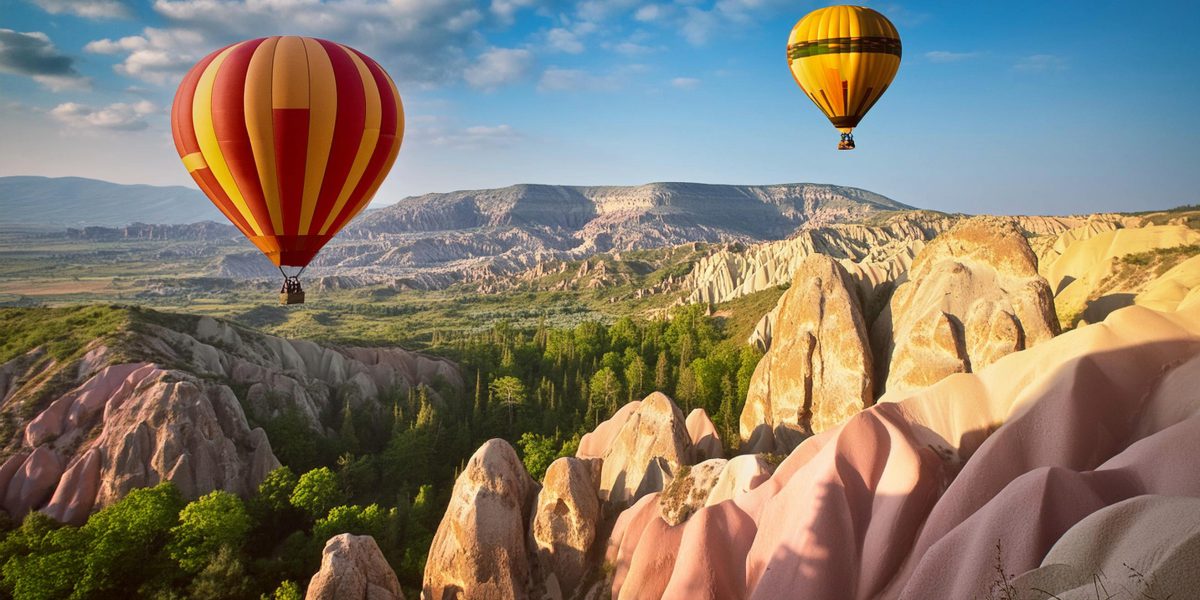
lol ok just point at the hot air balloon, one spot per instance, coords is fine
(290, 137)
(844, 58)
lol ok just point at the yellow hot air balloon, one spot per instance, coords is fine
(844, 58)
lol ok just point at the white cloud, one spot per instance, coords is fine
(1041, 63)
(498, 67)
(157, 56)
(33, 55)
(698, 25)
(437, 131)
(120, 116)
(944, 56)
(557, 79)
(564, 40)
(685, 83)
(650, 12)
(90, 9)
(419, 42)
(505, 10)
(599, 10)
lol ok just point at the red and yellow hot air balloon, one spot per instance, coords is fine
(290, 137)
(844, 58)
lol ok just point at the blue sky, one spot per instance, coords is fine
(999, 107)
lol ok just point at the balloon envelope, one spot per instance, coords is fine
(289, 136)
(844, 58)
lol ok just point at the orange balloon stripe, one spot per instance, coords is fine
(228, 107)
(184, 132)
(388, 128)
(348, 130)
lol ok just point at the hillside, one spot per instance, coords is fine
(78, 202)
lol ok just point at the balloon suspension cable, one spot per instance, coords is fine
(847, 142)
(291, 283)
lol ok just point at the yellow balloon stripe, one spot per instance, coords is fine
(322, 116)
(206, 136)
(366, 145)
(260, 126)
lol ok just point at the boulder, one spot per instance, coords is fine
(818, 370)
(479, 550)
(565, 519)
(353, 568)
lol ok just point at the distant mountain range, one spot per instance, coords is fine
(441, 238)
(80, 202)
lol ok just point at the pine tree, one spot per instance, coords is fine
(662, 373)
(347, 434)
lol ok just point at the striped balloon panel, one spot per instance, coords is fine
(289, 136)
(844, 58)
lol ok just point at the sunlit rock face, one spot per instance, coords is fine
(971, 296)
(480, 550)
(818, 371)
(353, 568)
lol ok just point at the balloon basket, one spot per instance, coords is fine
(291, 297)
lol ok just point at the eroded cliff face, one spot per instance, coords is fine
(162, 407)
(887, 249)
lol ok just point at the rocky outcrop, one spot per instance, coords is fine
(353, 568)
(971, 296)
(909, 498)
(565, 519)
(479, 550)
(640, 447)
(818, 371)
(689, 491)
(130, 426)
(161, 407)
(706, 442)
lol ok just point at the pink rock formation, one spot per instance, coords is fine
(818, 370)
(353, 568)
(641, 445)
(479, 550)
(706, 443)
(909, 498)
(114, 425)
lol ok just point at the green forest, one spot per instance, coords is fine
(387, 470)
